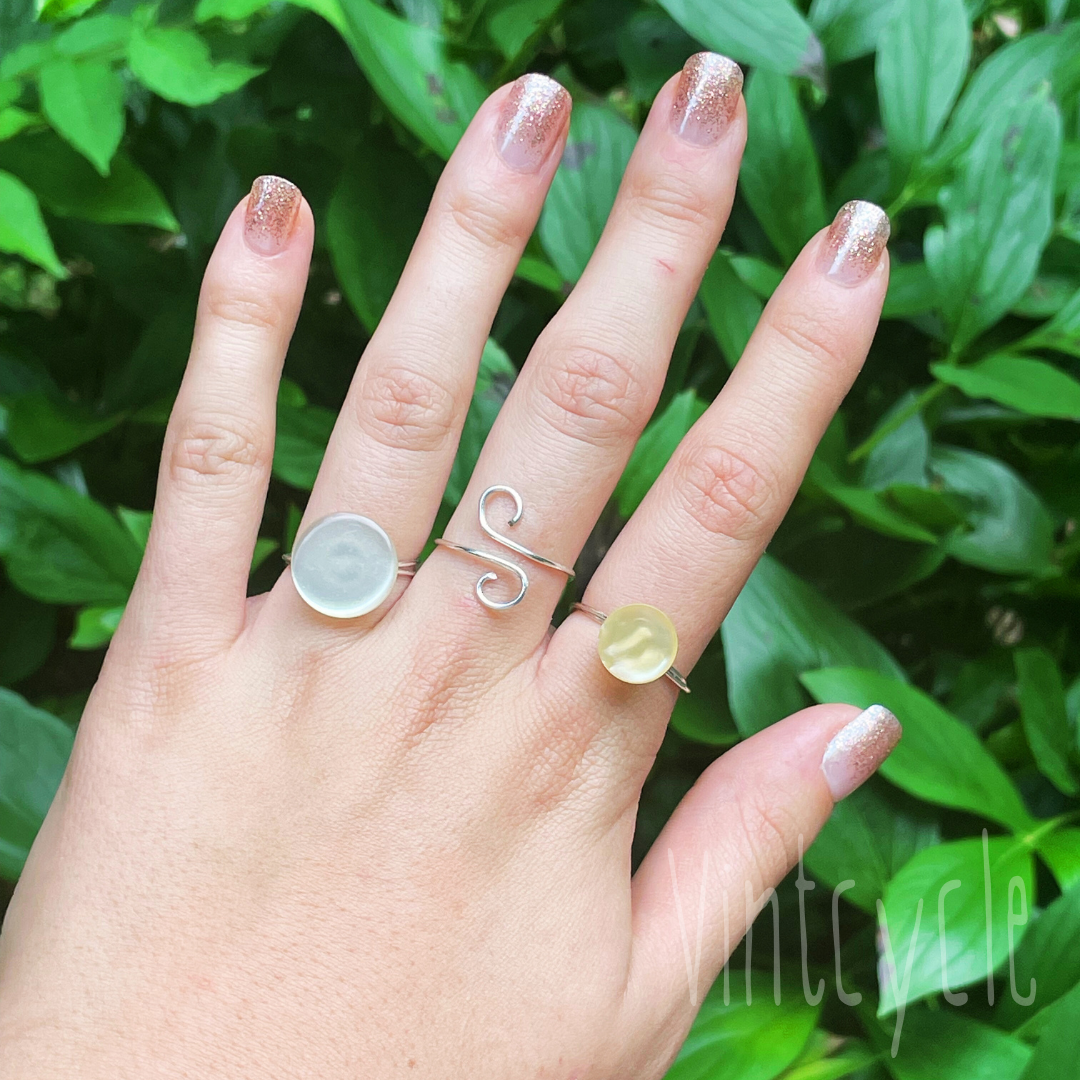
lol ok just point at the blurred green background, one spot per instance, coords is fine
(929, 562)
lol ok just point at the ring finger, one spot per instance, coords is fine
(697, 535)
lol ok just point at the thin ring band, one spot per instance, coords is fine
(498, 560)
(672, 672)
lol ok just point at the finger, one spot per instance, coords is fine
(394, 443)
(569, 425)
(699, 532)
(219, 443)
(739, 830)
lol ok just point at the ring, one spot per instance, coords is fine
(637, 643)
(345, 565)
(498, 560)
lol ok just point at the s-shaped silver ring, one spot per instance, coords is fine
(498, 560)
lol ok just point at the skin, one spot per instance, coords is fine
(289, 846)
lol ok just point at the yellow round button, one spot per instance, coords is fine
(638, 643)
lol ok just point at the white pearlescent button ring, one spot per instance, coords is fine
(637, 644)
(345, 565)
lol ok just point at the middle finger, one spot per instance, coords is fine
(594, 375)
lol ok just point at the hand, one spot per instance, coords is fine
(295, 846)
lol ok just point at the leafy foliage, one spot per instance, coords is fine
(930, 561)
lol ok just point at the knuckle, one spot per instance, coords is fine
(808, 335)
(768, 833)
(406, 409)
(483, 218)
(244, 311)
(671, 203)
(725, 493)
(592, 395)
(215, 449)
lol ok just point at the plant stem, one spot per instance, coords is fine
(898, 420)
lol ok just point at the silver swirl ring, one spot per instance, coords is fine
(498, 560)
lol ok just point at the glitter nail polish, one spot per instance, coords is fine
(856, 239)
(706, 98)
(530, 122)
(857, 749)
(271, 214)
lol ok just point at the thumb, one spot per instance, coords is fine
(735, 834)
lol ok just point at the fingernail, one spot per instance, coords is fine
(706, 98)
(531, 122)
(856, 239)
(858, 749)
(271, 214)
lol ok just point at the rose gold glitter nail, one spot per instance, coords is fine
(271, 214)
(858, 749)
(856, 239)
(706, 98)
(531, 121)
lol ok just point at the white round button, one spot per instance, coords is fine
(344, 565)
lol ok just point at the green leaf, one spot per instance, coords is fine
(1005, 78)
(1060, 850)
(921, 63)
(998, 216)
(946, 1045)
(84, 101)
(13, 120)
(374, 216)
(780, 177)
(41, 427)
(849, 29)
(1061, 333)
(743, 1042)
(651, 46)
(768, 34)
(34, 749)
(103, 36)
(1042, 712)
(55, 10)
(761, 277)
(302, 434)
(778, 628)
(911, 291)
(871, 508)
(1055, 1052)
(22, 228)
(583, 190)
(939, 759)
(493, 382)
(27, 633)
(137, 522)
(962, 932)
(409, 67)
(60, 546)
(654, 448)
(176, 65)
(1031, 386)
(1010, 531)
(69, 187)
(1049, 954)
(512, 23)
(95, 626)
(233, 10)
(731, 306)
(869, 835)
